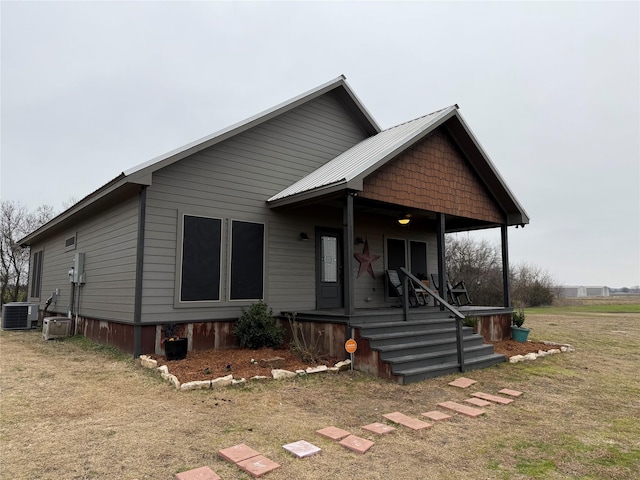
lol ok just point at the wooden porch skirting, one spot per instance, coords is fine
(333, 332)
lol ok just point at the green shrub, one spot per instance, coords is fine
(257, 328)
(518, 317)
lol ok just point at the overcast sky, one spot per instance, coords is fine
(551, 90)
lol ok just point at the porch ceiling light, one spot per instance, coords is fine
(404, 219)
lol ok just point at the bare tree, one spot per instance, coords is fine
(16, 222)
(479, 264)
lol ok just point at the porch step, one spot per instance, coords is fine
(408, 362)
(426, 347)
(418, 374)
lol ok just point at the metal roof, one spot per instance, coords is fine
(142, 173)
(349, 168)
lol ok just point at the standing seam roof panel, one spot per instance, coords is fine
(364, 155)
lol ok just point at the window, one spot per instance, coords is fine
(418, 252)
(200, 275)
(247, 261)
(36, 274)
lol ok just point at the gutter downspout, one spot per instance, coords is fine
(137, 309)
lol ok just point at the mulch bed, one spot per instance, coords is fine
(211, 364)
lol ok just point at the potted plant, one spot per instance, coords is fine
(175, 347)
(518, 332)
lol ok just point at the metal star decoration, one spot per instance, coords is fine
(366, 260)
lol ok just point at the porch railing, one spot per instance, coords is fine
(407, 277)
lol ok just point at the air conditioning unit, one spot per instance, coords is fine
(56, 327)
(19, 315)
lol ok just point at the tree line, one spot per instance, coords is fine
(16, 221)
(479, 264)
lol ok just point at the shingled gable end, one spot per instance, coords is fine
(196, 235)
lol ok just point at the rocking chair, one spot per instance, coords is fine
(454, 292)
(416, 295)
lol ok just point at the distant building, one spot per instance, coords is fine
(582, 291)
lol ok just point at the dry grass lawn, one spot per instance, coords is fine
(71, 410)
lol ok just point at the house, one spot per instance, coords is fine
(274, 208)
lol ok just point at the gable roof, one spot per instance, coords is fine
(131, 179)
(348, 170)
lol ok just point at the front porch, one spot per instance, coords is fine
(423, 345)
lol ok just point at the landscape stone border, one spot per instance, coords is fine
(562, 348)
(277, 374)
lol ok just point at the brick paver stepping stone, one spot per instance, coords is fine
(492, 398)
(301, 449)
(462, 382)
(462, 409)
(258, 466)
(407, 421)
(478, 402)
(238, 453)
(379, 428)
(437, 416)
(334, 433)
(511, 393)
(202, 473)
(357, 444)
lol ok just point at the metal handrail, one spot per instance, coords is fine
(459, 317)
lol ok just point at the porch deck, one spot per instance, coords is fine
(384, 314)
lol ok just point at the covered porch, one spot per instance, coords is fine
(396, 196)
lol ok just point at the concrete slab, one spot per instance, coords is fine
(407, 421)
(462, 382)
(462, 409)
(478, 402)
(334, 433)
(202, 473)
(379, 428)
(238, 453)
(356, 444)
(511, 393)
(437, 416)
(258, 466)
(301, 449)
(492, 398)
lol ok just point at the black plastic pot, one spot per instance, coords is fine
(175, 349)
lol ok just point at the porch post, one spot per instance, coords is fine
(347, 233)
(441, 257)
(505, 266)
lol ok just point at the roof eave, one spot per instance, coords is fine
(100, 194)
(355, 107)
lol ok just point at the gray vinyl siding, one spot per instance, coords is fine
(376, 230)
(231, 181)
(109, 244)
